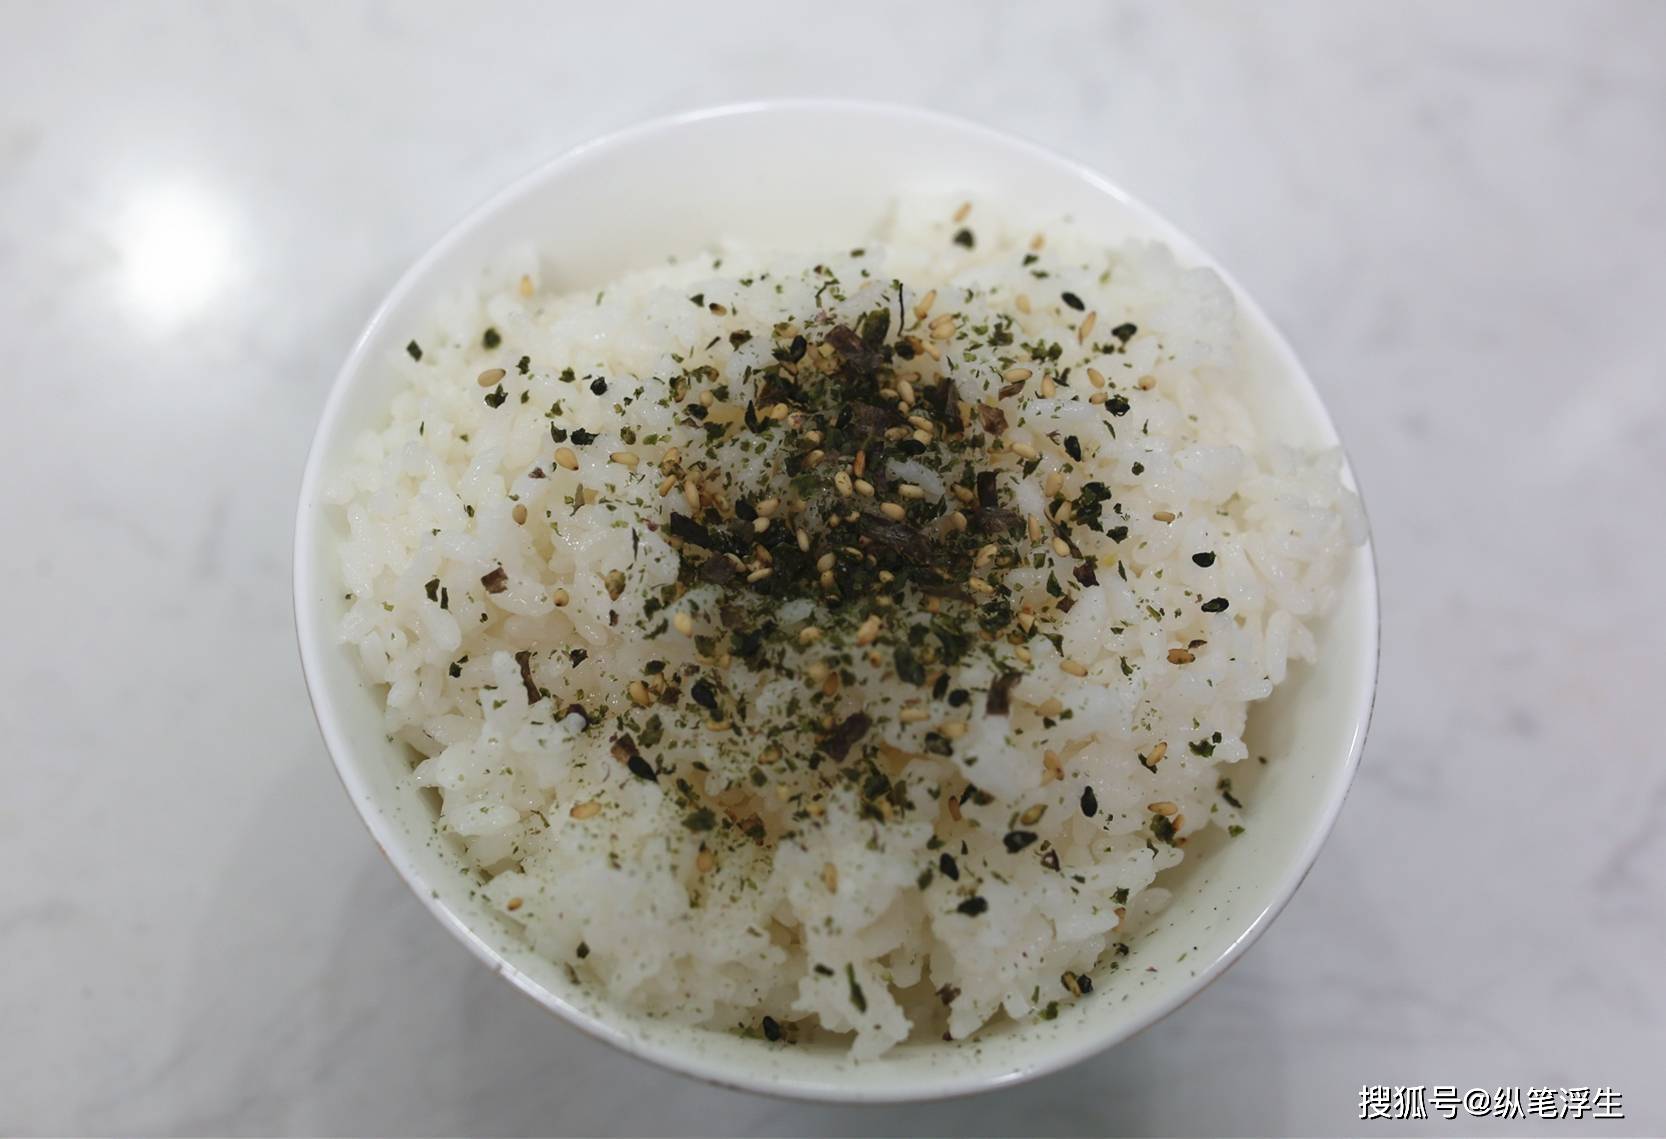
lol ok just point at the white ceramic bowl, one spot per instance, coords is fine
(815, 172)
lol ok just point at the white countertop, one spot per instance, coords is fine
(1455, 211)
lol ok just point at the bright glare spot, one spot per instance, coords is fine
(176, 249)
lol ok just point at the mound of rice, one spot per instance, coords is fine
(769, 715)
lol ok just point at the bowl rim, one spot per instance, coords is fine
(839, 1087)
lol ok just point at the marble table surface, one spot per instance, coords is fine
(1456, 212)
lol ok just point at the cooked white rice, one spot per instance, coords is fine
(736, 870)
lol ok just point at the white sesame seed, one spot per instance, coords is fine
(489, 377)
(683, 623)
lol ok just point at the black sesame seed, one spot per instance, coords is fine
(1073, 301)
(949, 868)
(1084, 983)
(1018, 840)
(491, 339)
(1205, 559)
(642, 769)
(583, 950)
(414, 349)
(965, 238)
(1073, 447)
(598, 386)
(1118, 405)
(1214, 605)
(973, 906)
(772, 1030)
(1090, 802)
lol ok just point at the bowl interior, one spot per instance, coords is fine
(807, 174)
